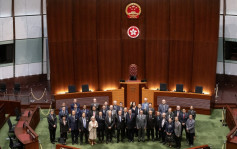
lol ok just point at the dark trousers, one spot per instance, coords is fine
(120, 132)
(177, 141)
(109, 134)
(135, 132)
(100, 133)
(163, 133)
(84, 132)
(158, 133)
(52, 133)
(130, 134)
(64, 136)
(141, 134)
(150, 132)
(74, 134)
(190, 138)
(184, 128)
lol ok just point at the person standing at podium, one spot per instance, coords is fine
(52, 122)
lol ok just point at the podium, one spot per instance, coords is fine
(132, 91)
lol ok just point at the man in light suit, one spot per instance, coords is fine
(141, 123)
(109, 126)
(163, 108)
(192, 112)
(145, 105)
(190, 127)
(177, 132)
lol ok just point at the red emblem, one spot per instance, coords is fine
(133, 32)
(133, 10)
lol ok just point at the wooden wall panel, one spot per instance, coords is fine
(157, 42)
(60, 44)
(85, 44)
(205, 44)
(133, 50)
(181, 43)
(109, 43)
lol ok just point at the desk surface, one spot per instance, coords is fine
(21, 132)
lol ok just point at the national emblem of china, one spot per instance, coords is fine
(133, 32)
(133, 10)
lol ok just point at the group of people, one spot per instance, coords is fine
(117, 121)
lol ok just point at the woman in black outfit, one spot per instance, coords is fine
(64, 129)
(169, 132)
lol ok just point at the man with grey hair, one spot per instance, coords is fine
(141, 123)
(96, 104)
(163, 107)
(177, 132)
(145, 105)
(109, 126)
(177, 112)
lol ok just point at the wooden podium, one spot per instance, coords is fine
(132, 91)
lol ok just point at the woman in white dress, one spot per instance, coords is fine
(92, 130)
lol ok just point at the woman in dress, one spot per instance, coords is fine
(169, 132)
(92, 130)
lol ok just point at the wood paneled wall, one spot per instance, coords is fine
(88, 43)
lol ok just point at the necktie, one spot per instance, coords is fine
(183, 116)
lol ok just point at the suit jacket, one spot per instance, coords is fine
(114, 113)
(73, 123)
(120, 108)
(125, 116)
(193, 113)
(86, 111)
(190, 125)
(104, 112)
(97, 105)
(177, 128)
(81, 124)
(163, 108)
(101, 122)
(115, 107)
(61, 114)
(72, 106)
(109, 124)
(131, 122)
(151, 121)
(134, 110)
(52, 120)
(158, 121)
(64, 127)
(176, 113)
(120, 124)
(150, 109)
(169, 115)
(165, 121)
(141, 121)
(145, 106)
(66, 108)
(91, 113)
(138, 110)
(78, 112)
(182, 118)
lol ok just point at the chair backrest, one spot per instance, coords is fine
(3, 87)
(133, 70)
(9, 124)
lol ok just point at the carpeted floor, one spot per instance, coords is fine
(208, 131)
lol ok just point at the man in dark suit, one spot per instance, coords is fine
(63, 105)
(113, 112)
(109, 123)
(125, 113)
(183, 119)
(104, 111)
(163, 108)
(74, 102)
(177, 112)
(120, 126)
(63, 113)
(84, 110)
(73, 127)
(97, 105)
(101, 126)
(52, 122)
(162, 127)
(192, 112)
(93, 112)
(150, 109)
(158, 125)
(141, 124)
(83, 128)
(130, 121)
(115, 106)
(150, 125)
(77, 111)
(121, 108)
(64, 127)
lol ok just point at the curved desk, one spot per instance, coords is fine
(26, 134)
